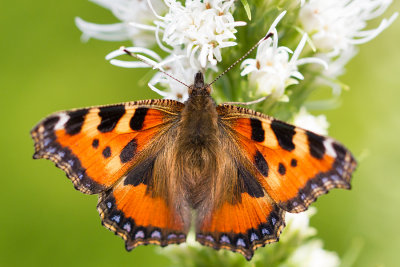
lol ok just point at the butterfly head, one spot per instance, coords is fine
(199, 88)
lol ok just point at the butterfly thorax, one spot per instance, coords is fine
(199, 117)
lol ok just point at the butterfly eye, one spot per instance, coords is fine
(208, 89)
(191, 89)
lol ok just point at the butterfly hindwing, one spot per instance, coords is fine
(97, 146)
(242, 226)
(139, 218)
(294, 165)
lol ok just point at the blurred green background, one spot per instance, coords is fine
(45, 68)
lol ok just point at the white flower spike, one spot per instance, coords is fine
(272, 71)
(336, 25)
(203, 28)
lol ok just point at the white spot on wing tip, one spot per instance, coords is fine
(329, 148)
(63, 119)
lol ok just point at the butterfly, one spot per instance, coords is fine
(161, 165)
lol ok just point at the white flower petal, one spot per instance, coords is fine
(136, 24)
(158, 91)
(315, 60)
(108, 32)
(135, 50)
(371, 34)
(299, 48)
(143, 26)
(275, 22)
(128, 64)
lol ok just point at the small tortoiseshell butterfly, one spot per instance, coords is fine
(155, 161)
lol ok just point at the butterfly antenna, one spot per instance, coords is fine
(151, 65)
(270, 34)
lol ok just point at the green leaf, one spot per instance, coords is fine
(246, 8)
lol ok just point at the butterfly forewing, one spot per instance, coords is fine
(96, 146)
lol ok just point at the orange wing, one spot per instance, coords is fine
(110, 150)
(279, 168)
(140, 219)
(97, 146)
(242, 227)
(294, 165)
